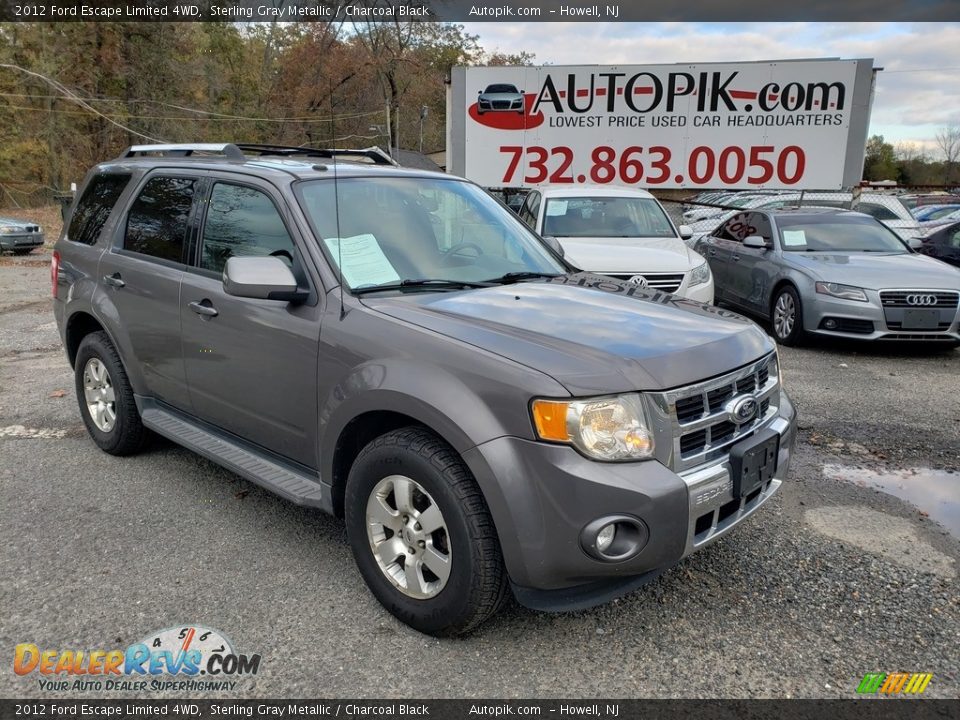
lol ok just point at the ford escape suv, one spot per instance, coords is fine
(397, 348)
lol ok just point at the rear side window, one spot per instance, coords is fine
(157, 221)
(95, 206)
(880, 212)
(242, 221)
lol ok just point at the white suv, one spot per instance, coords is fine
(621, 232)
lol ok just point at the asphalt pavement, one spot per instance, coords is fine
(833, 579)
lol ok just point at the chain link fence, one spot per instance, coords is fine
(904, 209)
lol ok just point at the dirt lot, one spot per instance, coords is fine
(832, 580)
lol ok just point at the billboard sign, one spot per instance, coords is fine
(786, 124)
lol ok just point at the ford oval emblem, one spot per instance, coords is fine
(742, 409)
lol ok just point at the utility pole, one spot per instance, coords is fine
(423, 114)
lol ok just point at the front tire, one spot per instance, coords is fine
(422, 535)
(786, 316)
(106, 398)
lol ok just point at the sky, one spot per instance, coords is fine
(917, 94)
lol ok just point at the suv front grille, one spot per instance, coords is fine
(899, 298)
(695, 424)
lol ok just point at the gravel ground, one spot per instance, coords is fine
(830, 581)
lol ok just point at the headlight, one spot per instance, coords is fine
(606, 428)
(845, 292)
(8, 230)
(700, 274)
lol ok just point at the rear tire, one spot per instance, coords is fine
(786, 316)
(106, 398)
(399, 479)
(22, 251)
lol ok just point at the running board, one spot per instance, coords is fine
(293, 484)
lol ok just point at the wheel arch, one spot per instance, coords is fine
(79, 325)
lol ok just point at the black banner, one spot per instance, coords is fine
(513, 11)
(854, 709)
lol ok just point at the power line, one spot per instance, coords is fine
(70, 95)
(215, 115)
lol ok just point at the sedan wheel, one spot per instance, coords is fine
(787, 317)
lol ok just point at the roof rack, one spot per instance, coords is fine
(373, 154)
(239, 151)
(228, 150)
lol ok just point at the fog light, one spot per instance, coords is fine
(614, 538)
(605, 537)
(830, 324)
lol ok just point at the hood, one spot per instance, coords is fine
(876, 271)
(592, 334)
(623, 255)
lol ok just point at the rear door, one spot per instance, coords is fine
(140, 276)
(720, 248)
(749, 268)
(251, 364)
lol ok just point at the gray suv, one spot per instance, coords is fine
(395, 347)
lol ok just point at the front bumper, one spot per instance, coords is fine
(541, 497)
(20, 241)
(871, 321)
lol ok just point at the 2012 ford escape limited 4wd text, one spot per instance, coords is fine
(397, 348)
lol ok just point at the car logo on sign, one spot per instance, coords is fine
(639, 280)
(921, 299)
(742, 409)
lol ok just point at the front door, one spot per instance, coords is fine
(251, 364)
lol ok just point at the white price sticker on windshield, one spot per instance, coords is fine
(362, 261)
(794, 238)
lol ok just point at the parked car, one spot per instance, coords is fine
(911, 202)
(832, 272)
(943, 243)
(19, 236)
(886, 208)
(620, 232)
(933, 213)
(395, 347)
(500, 97)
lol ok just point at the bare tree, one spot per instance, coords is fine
(948, 141)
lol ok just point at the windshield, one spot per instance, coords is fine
(835, 235)
(500, 89)
(606, 217)
(393, 229)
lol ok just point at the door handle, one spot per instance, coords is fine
(735, 258)
(204, 308)
(114, 280)
(712, 252)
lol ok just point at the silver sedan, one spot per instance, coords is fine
(19, 236)
(832, 272)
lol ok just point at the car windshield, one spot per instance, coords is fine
(501, 89)
(837, 235)
(606, 217)
(387, 230)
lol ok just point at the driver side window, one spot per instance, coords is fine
(242, 222)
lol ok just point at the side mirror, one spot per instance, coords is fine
(686, 232)
(261, 278)
(554, 245)
(915, 243)
(479, 92)
(755, 241)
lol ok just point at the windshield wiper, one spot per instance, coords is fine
(439, 283)
(511, 277)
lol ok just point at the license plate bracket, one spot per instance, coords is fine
(754, 461)
(923, 319)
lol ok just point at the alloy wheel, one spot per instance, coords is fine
(784, 315)
(99, 395)
(408, 537)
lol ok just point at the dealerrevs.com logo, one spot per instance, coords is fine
(183, 658)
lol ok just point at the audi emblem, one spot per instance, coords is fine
(926, 300)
